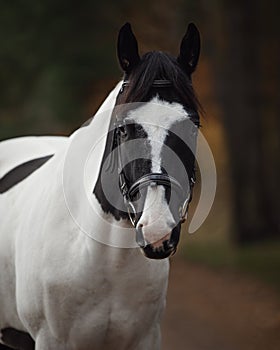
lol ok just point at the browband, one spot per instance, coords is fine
(156, 83)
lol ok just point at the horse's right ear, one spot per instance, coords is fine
(127, 49)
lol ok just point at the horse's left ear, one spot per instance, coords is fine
(127, 49)
(190, 49)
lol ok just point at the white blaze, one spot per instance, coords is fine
(156, 118)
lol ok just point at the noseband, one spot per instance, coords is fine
(152, 179)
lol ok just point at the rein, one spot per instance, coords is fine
(152, 179)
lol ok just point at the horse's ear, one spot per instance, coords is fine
(127, 49)
(190, 49)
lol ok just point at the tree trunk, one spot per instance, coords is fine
(247, 90)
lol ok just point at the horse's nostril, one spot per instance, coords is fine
(141, 223)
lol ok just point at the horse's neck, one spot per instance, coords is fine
(81, 168)
(110, 100)
(90, 141)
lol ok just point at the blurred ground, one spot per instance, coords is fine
(219, 310)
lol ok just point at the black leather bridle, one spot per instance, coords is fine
(151, 179)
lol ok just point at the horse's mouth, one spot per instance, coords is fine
(167, 249)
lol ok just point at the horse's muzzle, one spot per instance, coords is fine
(167, 248)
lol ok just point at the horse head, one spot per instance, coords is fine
(151, 144)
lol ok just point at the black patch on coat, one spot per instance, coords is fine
(108, 177)
(15, 339)
(21, 172)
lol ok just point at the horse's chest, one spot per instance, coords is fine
(114, 308)
(119, 317)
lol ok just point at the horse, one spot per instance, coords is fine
(89, 221)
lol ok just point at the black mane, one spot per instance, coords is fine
(157, 65)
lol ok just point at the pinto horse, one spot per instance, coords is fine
(88, 222)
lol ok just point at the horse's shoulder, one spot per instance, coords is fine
(16, 151)
(21, 156)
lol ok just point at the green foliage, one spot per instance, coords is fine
(51, 54)
(54, 53)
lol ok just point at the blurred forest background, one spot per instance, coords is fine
(58, 62)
